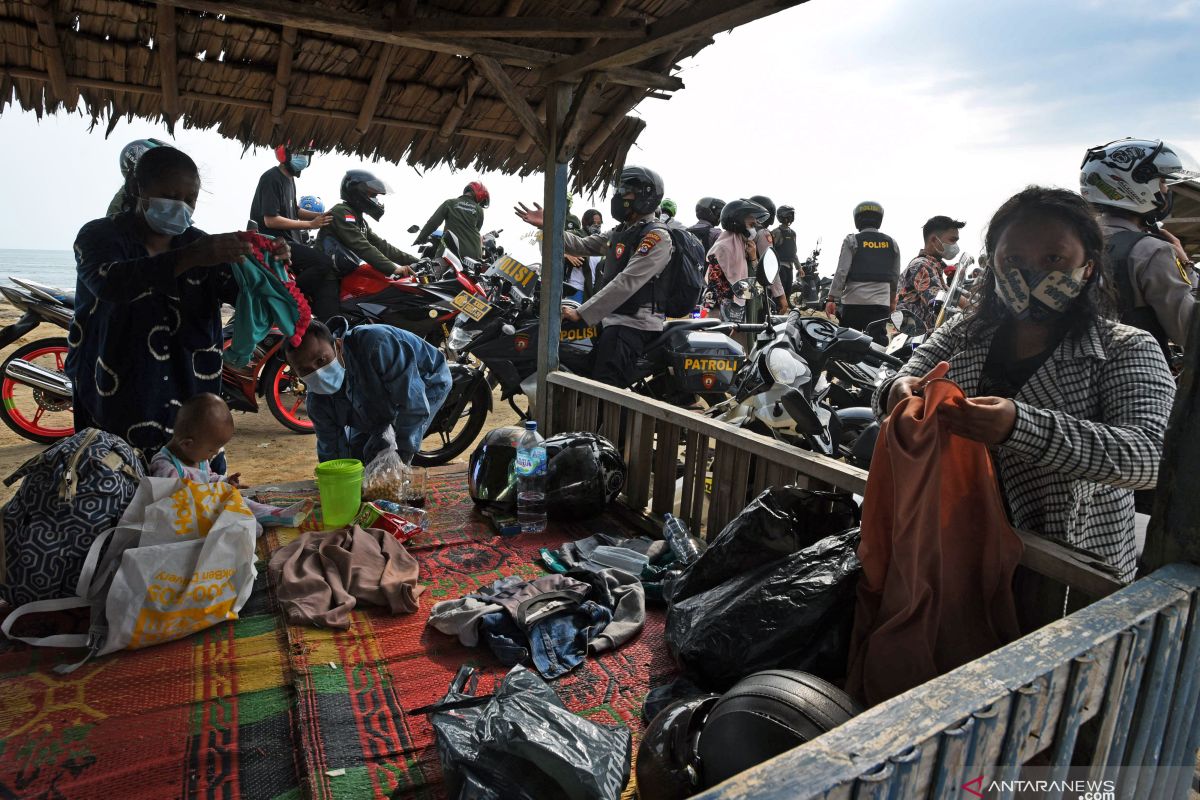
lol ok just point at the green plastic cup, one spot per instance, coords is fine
(340, 484)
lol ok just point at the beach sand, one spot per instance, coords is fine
(262, 450)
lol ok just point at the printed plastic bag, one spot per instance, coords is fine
(523, 744)
(387, 477)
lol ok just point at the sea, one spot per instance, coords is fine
(52, 267)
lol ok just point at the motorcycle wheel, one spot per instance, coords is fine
(34, 413)
(441, 447)
(285, 396)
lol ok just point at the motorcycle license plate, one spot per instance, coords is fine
(472, 306)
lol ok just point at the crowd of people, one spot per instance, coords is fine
(1060, 352)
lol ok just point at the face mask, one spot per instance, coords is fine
(950, 251)
(1037, 295)
(299, 163)
(165, 216)
(326, 380)
(619, 207)
(593, 229)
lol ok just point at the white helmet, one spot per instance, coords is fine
(1126, 173)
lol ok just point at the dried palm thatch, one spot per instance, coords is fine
(451, 82)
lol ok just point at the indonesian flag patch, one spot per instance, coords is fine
(351, 218)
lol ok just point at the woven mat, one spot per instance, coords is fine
(256, 709)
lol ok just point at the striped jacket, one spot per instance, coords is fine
(1089, 431)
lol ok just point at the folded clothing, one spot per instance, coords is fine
(323, 575)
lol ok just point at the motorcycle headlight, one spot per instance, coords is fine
(786, 367)
(460, 338)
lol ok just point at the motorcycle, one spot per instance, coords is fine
(813, 288)
(692, 360)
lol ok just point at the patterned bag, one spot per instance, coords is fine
(181, 560)
(71, 493)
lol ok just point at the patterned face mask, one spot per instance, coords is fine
(1036, 294)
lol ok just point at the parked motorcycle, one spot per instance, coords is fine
(813, 289)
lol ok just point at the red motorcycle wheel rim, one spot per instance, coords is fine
(35, 425)
(291, 403)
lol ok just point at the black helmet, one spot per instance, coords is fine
(786, 214)
(768, 204)
(647, 188)
(358, 188)
(668, 767)
(709, 210)
(733, 215)
(868, 214)
(766, 714)
(490, 477)
(584, 473)
(131, 152)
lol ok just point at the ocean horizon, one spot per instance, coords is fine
(52, 267)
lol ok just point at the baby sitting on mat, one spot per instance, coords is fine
(203, 427)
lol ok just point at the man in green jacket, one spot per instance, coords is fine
(463, 217)
(361, 191)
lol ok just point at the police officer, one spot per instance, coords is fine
(463, 217)
(635, 252)
(1127, 181)
(867, 273)
(708, 221)
(784, 238)
(360, 193)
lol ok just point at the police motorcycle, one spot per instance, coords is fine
(692, 360)
(813, 289)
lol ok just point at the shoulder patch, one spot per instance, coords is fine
(1183, 272)
(648, 242)
(351, 218)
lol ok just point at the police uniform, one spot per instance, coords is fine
(634, 254)
(784, 237)
(463, 217)
(351, 229)
(865, 282)
(1154, 290)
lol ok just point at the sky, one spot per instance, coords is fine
(926, 106)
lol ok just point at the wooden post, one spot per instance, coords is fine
(56, 68)
(554, 204)
(283, 74)
(168, 65)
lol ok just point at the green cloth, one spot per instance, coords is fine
(463, 217)
(117, 204)
(351, 229)
(263, 301)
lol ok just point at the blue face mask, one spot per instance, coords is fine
(326, 380)
(299, 163)
(165, 216)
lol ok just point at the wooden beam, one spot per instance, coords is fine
(512, 96)
(616, 115)
(113, 86)
(611, 9)
(168, 62)
(283, 73)
(56, 68)
(696, 20)
(1068, 566)
(586, 97)
(465, 94)
(379, 79)
(525, 141)
(643, 79)
(577, 26)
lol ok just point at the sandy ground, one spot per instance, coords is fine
(262, 450)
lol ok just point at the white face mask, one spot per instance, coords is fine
(950, 250)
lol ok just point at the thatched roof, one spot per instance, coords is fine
(452, 82)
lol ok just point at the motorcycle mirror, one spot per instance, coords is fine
(898, 319)
(770, 265)
(413, 229)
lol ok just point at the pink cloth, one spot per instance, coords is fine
(730, 252)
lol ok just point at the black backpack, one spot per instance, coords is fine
(677, 288)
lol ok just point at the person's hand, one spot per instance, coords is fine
(213, 249)
(401, 271)
(982, 419)
(906, 386)
(280, 249)
(893, 308)
(320, 221)
(831, 309)
(783, 303)
(1177, 245)
(533, 216)
(751, 250)
(575, 261)
(571, 314)
(234, 480)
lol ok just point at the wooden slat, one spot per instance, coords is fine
(1067, 566)
(666, 461)
(56, 68)
(379, 79)
(691, 448)
(1084, 671)
(1151, 720)
(641, 454)
(514, 98)
(168, 62)
(461, 102)
(724, 486)
(283, 72)
(1186, 707)
(952, 758)
(1114, 728)
(739, 485)
(699, 498)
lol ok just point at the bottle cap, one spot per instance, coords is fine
(531, 424)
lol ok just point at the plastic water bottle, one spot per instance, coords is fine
(677, 535)
(531, 481)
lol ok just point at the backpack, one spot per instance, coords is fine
(71, 493)
(678, 287)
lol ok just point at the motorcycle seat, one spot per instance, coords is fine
(682, 325)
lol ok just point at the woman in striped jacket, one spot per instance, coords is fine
(1073, 404)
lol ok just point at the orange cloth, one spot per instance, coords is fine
(937, 551)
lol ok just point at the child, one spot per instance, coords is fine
(202, 427)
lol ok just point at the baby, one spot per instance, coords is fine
(202, 427)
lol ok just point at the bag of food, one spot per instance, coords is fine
(387, 477)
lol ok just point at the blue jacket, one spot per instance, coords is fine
(392, 378)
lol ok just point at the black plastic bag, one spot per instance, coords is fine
(523, 744)
(776, 524)
(795, 612)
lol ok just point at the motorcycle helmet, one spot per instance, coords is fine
(1125, 174)
(769, 205)
(668, 766)
(647, 188)
(584, 473)
(359, 190)
(284, 153)
(733, 216)
(478, 191)
(131, 152)
(766, 714)
(490, 476)
(786, 214)
(709, 210)
(868, 214)
(669, 208)
(310, 202)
